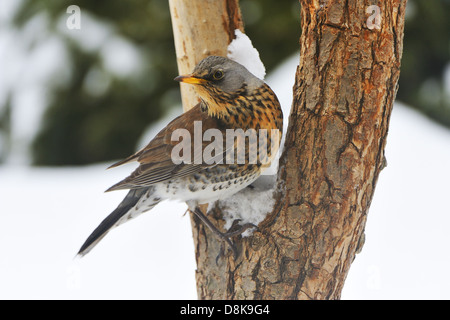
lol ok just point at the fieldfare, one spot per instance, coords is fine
(234, 105)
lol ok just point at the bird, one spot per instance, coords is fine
(231, 98)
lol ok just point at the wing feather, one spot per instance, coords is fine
(155, 159)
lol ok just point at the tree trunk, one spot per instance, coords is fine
(201, 28)
(345, 87)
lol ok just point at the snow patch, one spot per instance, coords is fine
(242, 51)
(250, 205)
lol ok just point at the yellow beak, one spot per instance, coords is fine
(190, 79)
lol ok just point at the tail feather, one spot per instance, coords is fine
(137, 201)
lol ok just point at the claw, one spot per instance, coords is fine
(240, 231)
(220, 255)
(224, 236)
(222, 250)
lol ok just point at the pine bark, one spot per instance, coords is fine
(343, 95)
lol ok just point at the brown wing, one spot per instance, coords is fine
(156, 163)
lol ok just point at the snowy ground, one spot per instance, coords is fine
(406, 255)
(46, 214)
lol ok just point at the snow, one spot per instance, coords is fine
(241, 50)
(406, 252)
(250, 205)
(47, 213)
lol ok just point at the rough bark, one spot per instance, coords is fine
(345, 87)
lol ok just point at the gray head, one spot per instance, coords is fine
(215, 74)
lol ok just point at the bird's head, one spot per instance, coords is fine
(219, 80)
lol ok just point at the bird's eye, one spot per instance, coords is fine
(218, 75)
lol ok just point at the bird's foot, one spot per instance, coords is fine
(234, 231)
(231, 245)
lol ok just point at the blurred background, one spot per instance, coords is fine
(74, 100)
(81, 96)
